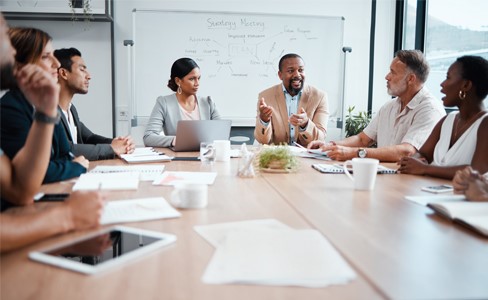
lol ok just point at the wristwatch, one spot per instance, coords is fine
(362, 152)
(43, 118)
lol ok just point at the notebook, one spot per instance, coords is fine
(189, 134)
(337, 168)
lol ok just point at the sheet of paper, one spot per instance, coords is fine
(173, 178)
(308, 153)
(424, 200)
(136, 210)
(107, 181)
(215, 234)
(146, 172)
(479, 222)
(280, 257)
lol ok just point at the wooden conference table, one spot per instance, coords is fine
(399, 250)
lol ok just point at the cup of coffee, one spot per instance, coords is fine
(364, 172)
(222, 150)
(190, 195)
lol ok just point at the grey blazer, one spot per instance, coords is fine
(92, 146)
(161, 127)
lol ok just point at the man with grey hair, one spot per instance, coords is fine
(402, 125)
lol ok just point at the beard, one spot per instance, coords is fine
(292, 90)
(398, 88)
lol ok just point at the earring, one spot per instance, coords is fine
(462, 94)
(179, 91)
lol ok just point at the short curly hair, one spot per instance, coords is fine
(475, 69)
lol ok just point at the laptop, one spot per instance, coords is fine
(190, 133)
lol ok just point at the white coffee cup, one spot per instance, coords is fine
(222, 150)
(190, 195)
(364, 171)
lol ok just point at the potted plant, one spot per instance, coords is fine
(277, 158)
(85, 5)
(356, 123)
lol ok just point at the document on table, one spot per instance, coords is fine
(136, 210)
(268, 253)
(107, 181)
(309, 153)
(146, 172)
(174, 178)
(424, 200)
(215, 234)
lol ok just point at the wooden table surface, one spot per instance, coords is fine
(399, 250)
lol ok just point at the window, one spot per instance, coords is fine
(410, 18)
(453, 28)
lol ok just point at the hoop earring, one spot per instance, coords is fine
(179, 91)
(462, 94)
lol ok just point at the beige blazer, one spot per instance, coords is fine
(314, 102)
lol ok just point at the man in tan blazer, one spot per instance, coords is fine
(291, 111)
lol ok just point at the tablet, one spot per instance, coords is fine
(102, 250)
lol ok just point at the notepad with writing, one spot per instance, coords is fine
(473, 215)
(335, 168)
(146, 172)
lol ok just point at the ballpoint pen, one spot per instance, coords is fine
(298, 145)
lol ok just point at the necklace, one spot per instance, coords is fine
(466, 125)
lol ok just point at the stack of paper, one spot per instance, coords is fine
(174, 178)
(136, 210)
(107, 181)
(266, 252)
(146, 172)
(147, 154)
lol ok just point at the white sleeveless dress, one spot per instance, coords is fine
(461, 153)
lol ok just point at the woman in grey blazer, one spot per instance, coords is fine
(184, 104)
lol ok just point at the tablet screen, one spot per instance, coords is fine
(105, 248)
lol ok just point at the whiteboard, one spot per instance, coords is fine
(238, 55)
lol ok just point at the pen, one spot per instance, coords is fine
(298, 145)
(71, 155)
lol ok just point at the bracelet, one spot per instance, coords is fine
(43, 118)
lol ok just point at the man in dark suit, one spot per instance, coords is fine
(74, 78)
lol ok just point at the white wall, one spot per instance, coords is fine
(93, 40)
(357, 14)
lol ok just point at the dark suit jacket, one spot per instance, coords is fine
(16, 116)
(91, 146)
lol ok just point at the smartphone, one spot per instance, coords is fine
(443, 188)
(52, 197)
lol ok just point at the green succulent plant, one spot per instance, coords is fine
(277, 157)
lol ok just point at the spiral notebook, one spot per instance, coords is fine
(337, 168)
(146, 172)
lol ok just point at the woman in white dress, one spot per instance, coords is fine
(461, 138)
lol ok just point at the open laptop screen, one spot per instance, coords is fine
(190, 133)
